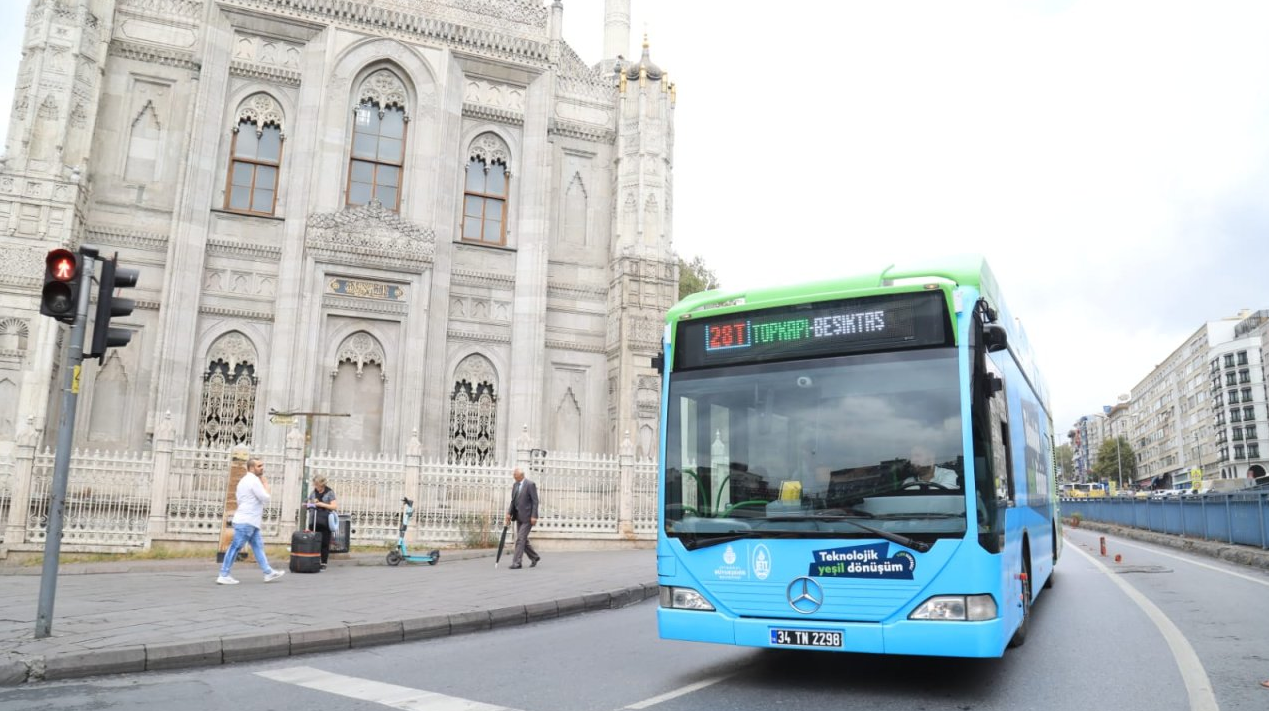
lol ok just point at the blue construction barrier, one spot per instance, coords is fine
(1240, 517)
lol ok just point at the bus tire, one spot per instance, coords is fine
(1020, 634)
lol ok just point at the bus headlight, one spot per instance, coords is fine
(973, 608)
(683, 599)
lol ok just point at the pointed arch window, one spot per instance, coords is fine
(255, 157)
(378, 154)
(473, 413)
(486, 191)
(227, 408)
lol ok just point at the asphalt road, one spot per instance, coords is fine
(1095, 644)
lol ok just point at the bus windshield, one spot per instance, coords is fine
(841, 447)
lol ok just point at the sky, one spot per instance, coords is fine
(1109, 158)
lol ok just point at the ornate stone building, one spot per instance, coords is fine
(431, 215)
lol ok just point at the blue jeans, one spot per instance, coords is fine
(245, 533)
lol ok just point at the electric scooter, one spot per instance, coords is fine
(401, 553)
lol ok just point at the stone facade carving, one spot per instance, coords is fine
(262, 110)
(370, 231)
(384, 89)
(234, 349)
(359, 349)
(266, 50)
(491, 149)
(494, 94)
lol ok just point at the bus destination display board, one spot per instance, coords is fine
(876, 323)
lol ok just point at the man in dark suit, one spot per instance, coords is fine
(524, 510)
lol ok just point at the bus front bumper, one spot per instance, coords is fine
(916, 637)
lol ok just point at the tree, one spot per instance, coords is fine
(1111, 456)
(695, 277)
(1065, 461)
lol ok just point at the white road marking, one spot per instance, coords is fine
(1197, 685)
(1154, 551)
(679, 692)
(391, 695)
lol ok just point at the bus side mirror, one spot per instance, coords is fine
(994, 337)
(658, 362)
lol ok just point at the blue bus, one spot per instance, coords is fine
(862, 464)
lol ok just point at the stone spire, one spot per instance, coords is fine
(616, 29)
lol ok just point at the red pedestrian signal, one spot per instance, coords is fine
(60, 297)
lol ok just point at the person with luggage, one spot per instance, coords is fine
(322, 498)
(252, 494)
(524, 511)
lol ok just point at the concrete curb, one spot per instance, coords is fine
(196, 564)
(241, 648)
(1228, 552)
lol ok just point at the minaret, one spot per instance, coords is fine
(616, 29)
(643, 279)
(43, 185)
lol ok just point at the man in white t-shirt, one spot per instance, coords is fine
(927, 474)
(252, 494)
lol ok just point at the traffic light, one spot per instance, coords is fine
(60, 297)
(109, 306)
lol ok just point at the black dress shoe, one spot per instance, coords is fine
(516, 567)
(534, 562)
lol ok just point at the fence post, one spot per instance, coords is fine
(524, 448)
(164, 437)
(413, 467)
(292, 474)
(20, 496)
(625, 508)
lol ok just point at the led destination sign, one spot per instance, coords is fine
(909, 320)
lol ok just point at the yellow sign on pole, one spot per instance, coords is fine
(75, 380)
(1196, 477)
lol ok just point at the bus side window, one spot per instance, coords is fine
(1005, 491)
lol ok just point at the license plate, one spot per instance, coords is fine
(805, 638)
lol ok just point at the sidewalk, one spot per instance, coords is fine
(111, 618)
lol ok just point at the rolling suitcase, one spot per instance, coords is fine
(306, 548)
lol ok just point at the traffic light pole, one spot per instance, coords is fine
(65, 437)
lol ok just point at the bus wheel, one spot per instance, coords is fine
(1020, 635)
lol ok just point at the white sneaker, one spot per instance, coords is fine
(226, 580)
(273, 576)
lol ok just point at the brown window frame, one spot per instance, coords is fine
(505, 198)
(255, 164)
(376, 163)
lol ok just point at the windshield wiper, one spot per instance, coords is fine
(902, 540)
(692, 541)
(918, 516)
(836, 513)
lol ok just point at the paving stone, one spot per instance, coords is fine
(177, 655)
(244, 648)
